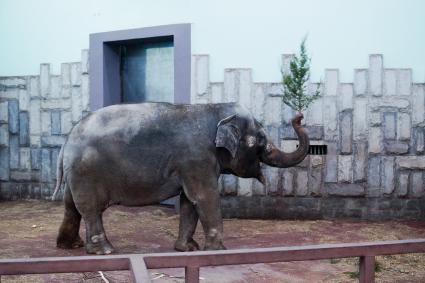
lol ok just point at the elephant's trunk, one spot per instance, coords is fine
(274, 157)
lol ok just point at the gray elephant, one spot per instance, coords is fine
(142, 154)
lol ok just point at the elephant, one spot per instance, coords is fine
(142, 154)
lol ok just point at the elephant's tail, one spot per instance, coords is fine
(59, 173)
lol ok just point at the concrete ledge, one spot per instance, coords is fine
(323, 208)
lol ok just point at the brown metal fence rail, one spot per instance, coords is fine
(139, 264)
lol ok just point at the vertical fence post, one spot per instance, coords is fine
(367, 269)
(191, 274)
(138, 269)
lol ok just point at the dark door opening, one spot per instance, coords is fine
(147, 71)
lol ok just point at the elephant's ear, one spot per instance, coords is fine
(228, 135)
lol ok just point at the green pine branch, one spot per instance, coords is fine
(295, 82)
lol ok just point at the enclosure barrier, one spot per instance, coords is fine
(138, 264)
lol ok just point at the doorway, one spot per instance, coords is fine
(147, 71)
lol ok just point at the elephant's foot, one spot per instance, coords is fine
(186, 246)
(64, 243)
(98, 244)
(214, 246)
(99, 249)
(214, 240)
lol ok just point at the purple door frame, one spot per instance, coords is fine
(104, 61)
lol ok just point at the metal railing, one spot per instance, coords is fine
(139, 264)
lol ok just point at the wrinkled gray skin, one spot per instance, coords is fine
(141, 154)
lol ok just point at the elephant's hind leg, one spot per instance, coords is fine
(91, 201)
(68, 237)
(96, 241)
(187, 226)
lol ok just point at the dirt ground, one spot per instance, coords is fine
(28, 229)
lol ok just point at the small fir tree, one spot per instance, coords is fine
(295, 82)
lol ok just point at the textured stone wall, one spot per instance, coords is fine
(373, 128)
(36, 114)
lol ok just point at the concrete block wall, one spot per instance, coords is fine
(373, 128)
(36, 115)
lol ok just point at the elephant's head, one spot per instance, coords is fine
(242, 144)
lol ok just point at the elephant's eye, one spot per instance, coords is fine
(261, 140)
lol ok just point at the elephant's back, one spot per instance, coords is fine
(112, 129)
(116, 140)
(146, 129)
(119, 121)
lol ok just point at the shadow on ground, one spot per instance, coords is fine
(28, 229)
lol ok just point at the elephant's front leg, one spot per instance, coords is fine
(202, 191)
(187, 226)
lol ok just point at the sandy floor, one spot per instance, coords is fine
(28, 229)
